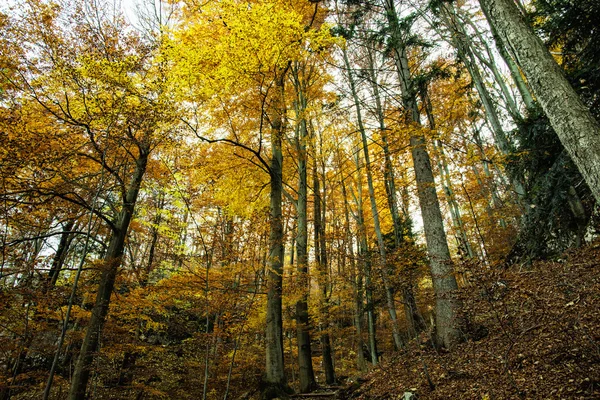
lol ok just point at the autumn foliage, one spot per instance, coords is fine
(188, 194)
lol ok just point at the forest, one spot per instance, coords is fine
(311, 199)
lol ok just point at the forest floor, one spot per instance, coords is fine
(537, 336)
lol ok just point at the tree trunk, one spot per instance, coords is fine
(112, 261)
(414, 320)
(275, 374)
(464, 246)
(575, 126)
(66, 238)
(365, 257)
(389, 291)
(321, 259)
(306, 374)
(357, 283)
(444, 284)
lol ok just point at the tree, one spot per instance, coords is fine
(157, 186)
(111, 98)
(306, 373)
(320, 244)
(401, 225)
(257, 63)
(448, 321)
(577, 129)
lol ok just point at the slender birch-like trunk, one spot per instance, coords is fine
(389, 292)
(414, 320)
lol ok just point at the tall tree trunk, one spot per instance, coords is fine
(389, 291)
(275, 374)
(575, 126)
(414, 320)
(321, 259)
(306, 374)
(112, 261)
(444, 283)
(357, 284)
(464, 245)
(365, 258)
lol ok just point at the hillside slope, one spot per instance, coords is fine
(537, 336)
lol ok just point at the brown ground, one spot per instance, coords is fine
(539, 338)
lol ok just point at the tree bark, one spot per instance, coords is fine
(444, 283)
(321, 258)
(61, 253)
(306, 373)
(365, 258)
(464, 246)
(389, 292)
(112, 261)
(357, 284)
(575, 126)
(274, 370)
(414, 320)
